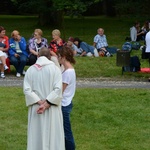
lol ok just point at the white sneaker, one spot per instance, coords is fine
(2, 75)
(24, 72)
(18, 75)
(5, 67)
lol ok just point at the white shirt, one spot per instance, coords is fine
(133, 33)
(68, 77)
(18, 50)
(147, 40)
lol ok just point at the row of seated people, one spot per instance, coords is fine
(17, 52)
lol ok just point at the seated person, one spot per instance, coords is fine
(100, 42)
(55, 45)
(136, 33)
(17, 52)
(4, 45)
(35, 44)
(2, 63)
(76, 51)
(87, 50)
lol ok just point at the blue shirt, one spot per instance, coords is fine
(100, 41)
(22, 46)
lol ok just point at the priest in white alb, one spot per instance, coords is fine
(43, 94)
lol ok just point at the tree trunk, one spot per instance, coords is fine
(109, 9)
(51, 19)
(55, 20)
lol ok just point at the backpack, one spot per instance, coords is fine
(135, 65)
(135, 45)
(127, 46)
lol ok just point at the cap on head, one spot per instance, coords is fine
(71, 39)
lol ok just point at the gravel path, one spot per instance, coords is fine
(85, 83)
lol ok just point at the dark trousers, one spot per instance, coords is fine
(19, 62)
(32, 59)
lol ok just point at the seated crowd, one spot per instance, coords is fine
(18, 52)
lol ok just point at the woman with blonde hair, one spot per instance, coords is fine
(55, 45)
(35, 44)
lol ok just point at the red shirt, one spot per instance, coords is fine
(4, 40)
(54, 46)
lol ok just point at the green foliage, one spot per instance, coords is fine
(41, 6)
(125, 7)
(116, 119)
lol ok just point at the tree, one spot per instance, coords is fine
(109, 8)
(52, 11)
(129, 7)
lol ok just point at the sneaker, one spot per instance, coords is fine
(108, 54)
(5, 67)
(18, 75)
(24, 72)
(2, 75)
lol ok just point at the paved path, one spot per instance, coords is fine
(85, 83)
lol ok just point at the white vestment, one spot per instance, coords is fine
(44, 81)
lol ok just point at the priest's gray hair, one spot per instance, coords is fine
(44, 51)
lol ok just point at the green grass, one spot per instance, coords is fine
(107, 119)
(116, 29)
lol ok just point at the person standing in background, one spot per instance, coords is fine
(136, 33)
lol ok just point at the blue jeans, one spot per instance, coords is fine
(19, 62)
(69, 139)
(112, 50)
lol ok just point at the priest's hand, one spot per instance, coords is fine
(43, 107)
(40, 102)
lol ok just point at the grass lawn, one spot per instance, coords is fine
(102, 119)
(116, 29)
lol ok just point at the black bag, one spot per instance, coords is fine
(135, 65)
(144, 54)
